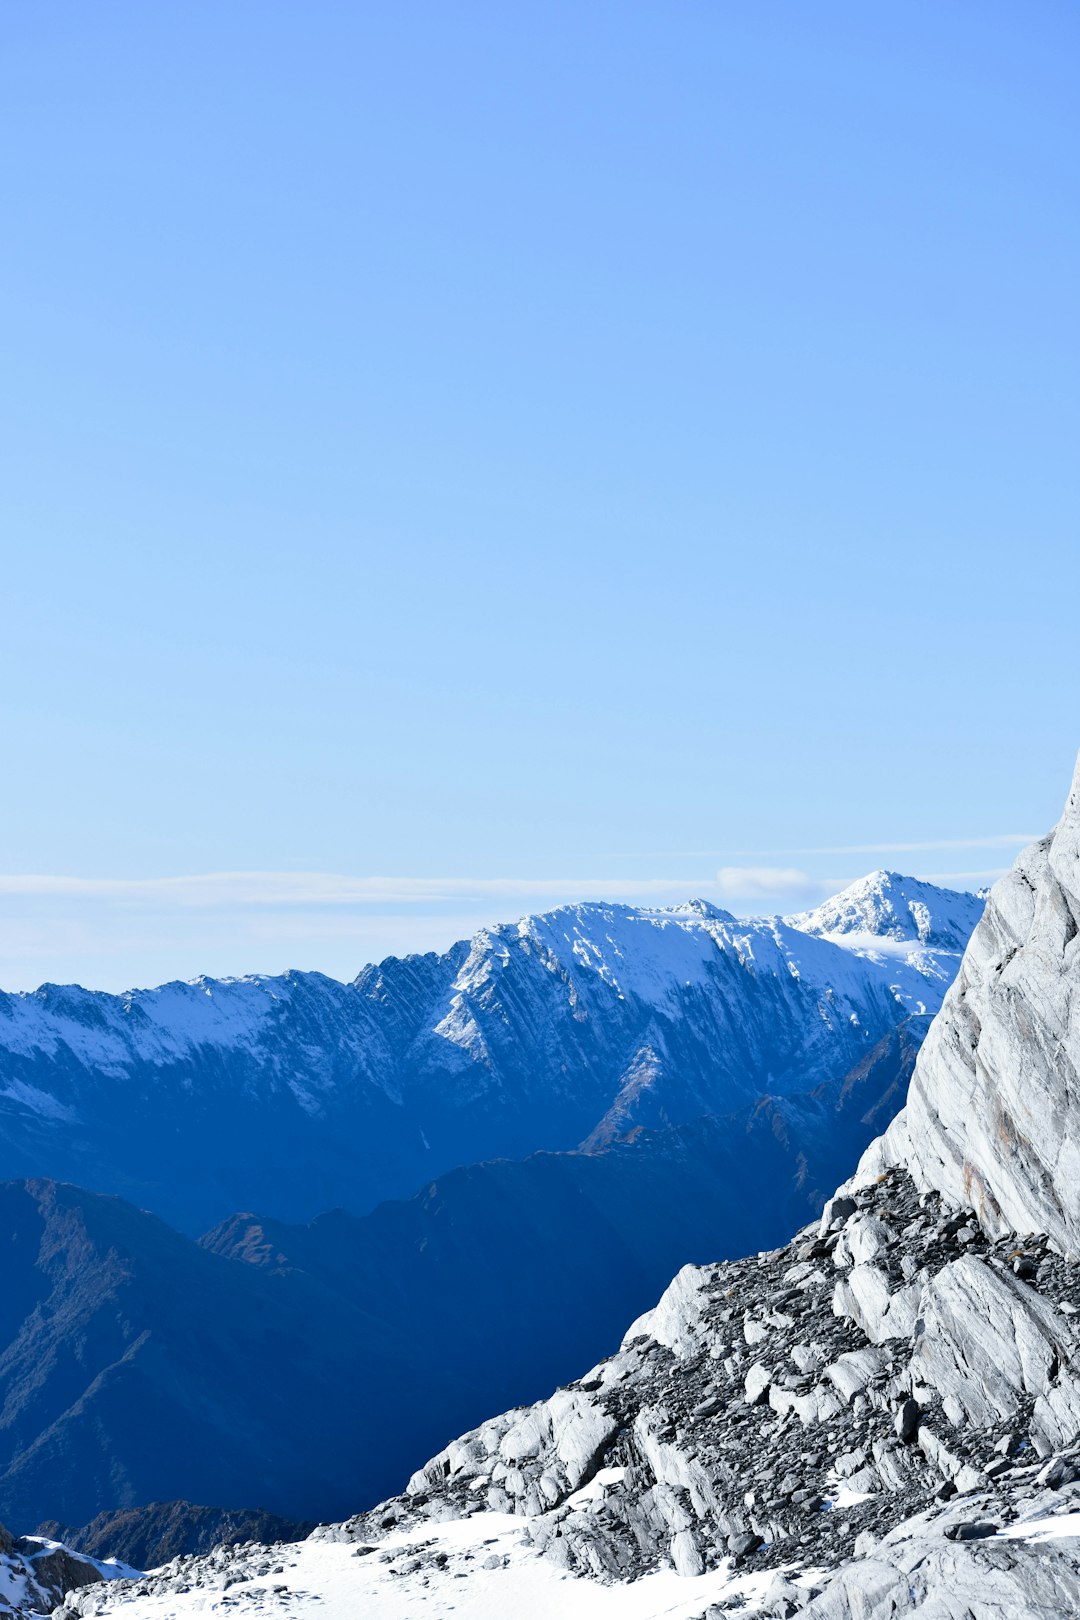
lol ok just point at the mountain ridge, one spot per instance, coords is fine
(567, 1027)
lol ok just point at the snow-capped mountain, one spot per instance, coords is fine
(572, 1027)
(676, 1084)
(886, 906)
(879, 1419)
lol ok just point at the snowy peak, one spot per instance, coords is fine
(892, 906)
(539, 1033)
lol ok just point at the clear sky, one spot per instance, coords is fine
(459, 456)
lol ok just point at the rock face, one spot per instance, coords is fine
(297, 1094)
(992, 1115)
(772, 1421)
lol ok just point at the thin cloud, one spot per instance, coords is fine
(749, 882)
(990, 841)
(214, 889)
(950, 880)
(294, 891)
(986, 841)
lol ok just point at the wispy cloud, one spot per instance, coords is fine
(749, 882)
(231, 889)
(989, 841)
(924, 846)
(318, 890)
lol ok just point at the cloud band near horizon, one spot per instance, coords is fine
(289, 889)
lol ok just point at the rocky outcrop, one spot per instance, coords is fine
(991, 1118)
(782, 1417)
(36, 1573)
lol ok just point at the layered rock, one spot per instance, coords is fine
(993, 1109)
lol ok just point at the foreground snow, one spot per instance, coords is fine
(483, 1570)
(480, 1568)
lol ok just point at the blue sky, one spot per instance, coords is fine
(460, 457)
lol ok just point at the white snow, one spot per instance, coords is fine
(329, 1579)
(1054, 1528)
(884, 937)
(652, 953)
(847, 1498)
(902, 908)
(18, 1587)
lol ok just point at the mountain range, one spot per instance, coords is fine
(299, 1094)
(879, 1418)
(679, 1086)
(703, 1081)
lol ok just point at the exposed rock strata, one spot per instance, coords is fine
(992, 1112)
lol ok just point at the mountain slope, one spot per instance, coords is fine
(136, 1366)
(147, 1537)
(35, 1573)
(520, 1271)
(569, 1028)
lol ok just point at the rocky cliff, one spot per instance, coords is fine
(991, 1119)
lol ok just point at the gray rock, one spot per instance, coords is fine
(907, 1420)
(990, 1119)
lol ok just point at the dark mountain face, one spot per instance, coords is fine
(706, 1082)
(306, 1370)
(297, 1094)
(147, 1537)
(521, 1271)
(136, 1366)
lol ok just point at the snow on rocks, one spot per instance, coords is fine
(655, 1486)
(35, 1573)
(569, 1027)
